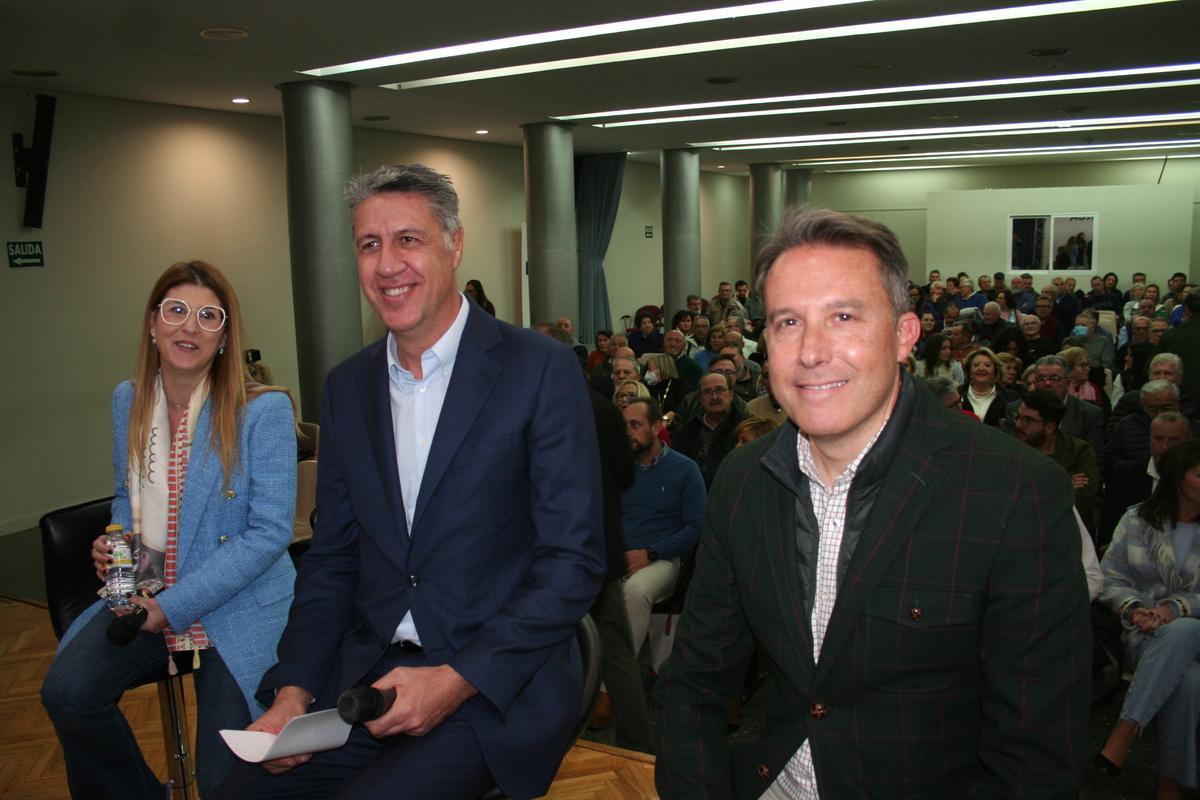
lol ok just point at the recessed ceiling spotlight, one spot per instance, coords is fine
(871, 66)
(942, 117)
(241, 101)
(35, 73)
(224, 34)
(376, 118)
(1048, 52)
(722, 80)
(720, 166)
(481, 132)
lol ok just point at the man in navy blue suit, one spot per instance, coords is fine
(458, 537)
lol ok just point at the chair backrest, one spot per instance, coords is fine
(67, 536)
(306, 499)
(1107, 322)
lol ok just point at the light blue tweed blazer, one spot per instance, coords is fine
(234, 572)
(1140, 565)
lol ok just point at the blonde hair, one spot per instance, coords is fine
(663, 364)
(1072, 356)
(642, 392)
(227, 389)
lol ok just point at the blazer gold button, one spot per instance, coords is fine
(763, 772)
(817, 710)
(916, 614)
(230, 494)
(222, 539)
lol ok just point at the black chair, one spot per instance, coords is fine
(71, 584)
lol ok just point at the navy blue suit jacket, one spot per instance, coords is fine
(505, 553)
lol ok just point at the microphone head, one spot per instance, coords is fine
(361, 704)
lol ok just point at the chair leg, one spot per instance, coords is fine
(175, 737)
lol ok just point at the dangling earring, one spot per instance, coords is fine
(153, 339)
(221, 350)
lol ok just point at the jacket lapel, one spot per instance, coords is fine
(377, 408)
(910, 484)
(475, 372)
(204, 476)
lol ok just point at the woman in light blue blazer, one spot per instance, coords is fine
(206, 476)
(1152, 580)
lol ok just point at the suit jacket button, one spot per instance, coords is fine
(230, 494)
(222, 539)
(818, 710)
(414, 580)
(916, 614)
(763, 772)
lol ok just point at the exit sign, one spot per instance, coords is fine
(25, 254)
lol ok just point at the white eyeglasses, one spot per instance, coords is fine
(176, 312)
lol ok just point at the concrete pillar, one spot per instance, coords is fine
(679, 176)
(325, 295)
(797, 187)
(766, 205)
(550, 221)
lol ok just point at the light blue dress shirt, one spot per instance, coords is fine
(416, 406)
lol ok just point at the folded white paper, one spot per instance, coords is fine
(308, 733)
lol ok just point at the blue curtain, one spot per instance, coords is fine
(598, 180)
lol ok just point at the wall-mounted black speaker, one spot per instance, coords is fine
(32, 164)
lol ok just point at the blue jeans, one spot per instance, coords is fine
(80, 694)
(1166, 686)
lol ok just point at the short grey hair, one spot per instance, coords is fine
(821, 226)
(1169, 417)
(409, 179)
(1053, 361)
(1158, 387)
(1163, 358)
(942, 386)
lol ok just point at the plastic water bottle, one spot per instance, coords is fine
(120, 582)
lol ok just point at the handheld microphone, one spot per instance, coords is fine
(123, 629)
(364, 703)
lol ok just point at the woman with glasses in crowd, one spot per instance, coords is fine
(205, 477)
(1152, 582)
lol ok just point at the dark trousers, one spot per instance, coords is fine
(447, 762)
(622, 676)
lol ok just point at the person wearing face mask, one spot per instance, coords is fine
(666, 385)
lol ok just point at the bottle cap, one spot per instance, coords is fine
(113, 528)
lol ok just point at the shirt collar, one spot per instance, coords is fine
(440, 356)
(662, 451)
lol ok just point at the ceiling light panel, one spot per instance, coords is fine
(791, 37)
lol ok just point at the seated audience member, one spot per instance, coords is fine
(992, 324)
(645, 337)
(1101, 299)
(700, 328)
(936, 301)
(691, 405)
(946, 392)
(1035, 343)
(1163, 367)
(1044, 308)
(695, 304)
(735, 337)
(1184, 341)
(1132, 299)
(968, 297)
(1037, 424)
(1010, 373)
(1129, 439)
(962, 339)
(745, 380)
(603, 349)
(937, 360)
(1135, 366)
(474, 290)
(1180, 313)
(981, 394)
(565, 325)
(1008, 310)
(682, 322)
(628, 391)
(1099, 344)
(1082, 420)
(725, 305)
(1023, 295)
(929, 326)
(1136, 330)
(713, 343)
(661, 512)
(675, 345)
(765, 406)
(708, 437)
(755, 314)
(662, 378)
(1079, 367)
(1011, 340)
(1158, 327)
(1132, 481)
(620, 368)
(752, 428)
(1151, 576)
(951, 317)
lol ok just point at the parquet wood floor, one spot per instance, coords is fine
(31, 766)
